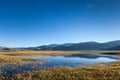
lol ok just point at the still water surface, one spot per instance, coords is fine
(55, 61)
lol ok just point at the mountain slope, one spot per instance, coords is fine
(80, 46)
(112, 45)
(114, 48)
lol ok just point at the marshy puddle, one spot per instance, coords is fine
(55, 61)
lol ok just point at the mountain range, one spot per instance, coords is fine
(112, 45)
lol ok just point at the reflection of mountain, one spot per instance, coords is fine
(92, 56)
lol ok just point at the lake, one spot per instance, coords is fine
(56, 61)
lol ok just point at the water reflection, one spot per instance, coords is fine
(76, 59)
(54, 61)
(93, 56)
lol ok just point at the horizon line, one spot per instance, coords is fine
(56, 44)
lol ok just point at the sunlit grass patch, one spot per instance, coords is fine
(13, 56)
(14, 59)
(103, 71)
(91, 72)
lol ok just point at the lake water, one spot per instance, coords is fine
(55, 61)
(75, 60)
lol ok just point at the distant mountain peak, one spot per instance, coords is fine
(91, 45)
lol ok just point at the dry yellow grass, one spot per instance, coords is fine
(94, 72)
(14, 56)
(32, 53)
(109, 71)
(8, 59)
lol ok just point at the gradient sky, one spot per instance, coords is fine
(38, 22)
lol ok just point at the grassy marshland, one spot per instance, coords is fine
(14, 56)
(109, 71)
(12, 59)
(5, 58)
(32, 53)
(8, 57)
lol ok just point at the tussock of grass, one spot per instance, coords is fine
(33, 53)
(13, 56)
(14, 59)
(94, 72)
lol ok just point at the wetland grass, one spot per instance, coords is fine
(109, 71)
(55, 53)
(103, 71)
(8, 59)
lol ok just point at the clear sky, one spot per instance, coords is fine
(38, 22)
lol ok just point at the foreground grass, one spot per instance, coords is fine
(109, 71)
(103, 71)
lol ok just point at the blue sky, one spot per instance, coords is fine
(38, 22)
